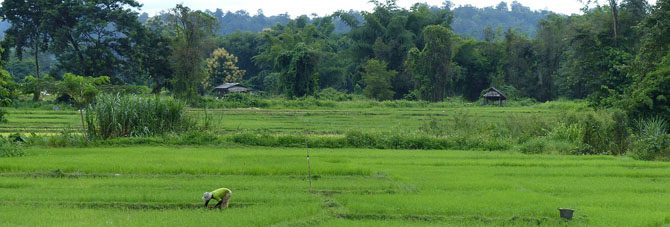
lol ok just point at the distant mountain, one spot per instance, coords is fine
(468, 20)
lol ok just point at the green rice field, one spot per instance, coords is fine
(318, 121)
(159, 186)
(136, 184)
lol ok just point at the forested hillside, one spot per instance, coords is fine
(471, 21)
(468, 20)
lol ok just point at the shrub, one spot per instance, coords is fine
(566, 132)
(334, 95)
(123, 116)
(533, 146)
(652, 148)
(595, 135)
(3, 118)
(125, 89)
(620, 133)
(652, 142)
(240, 100)
(66, 138)
(10, 148)
(523, 128)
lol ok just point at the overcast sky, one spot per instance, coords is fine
(324, 7)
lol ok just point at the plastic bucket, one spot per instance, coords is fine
(566, 213)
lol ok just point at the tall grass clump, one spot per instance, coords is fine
(132, 116)
(652, 141)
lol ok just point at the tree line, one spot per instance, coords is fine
(614, 54)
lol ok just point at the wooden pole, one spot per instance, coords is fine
(309, 170)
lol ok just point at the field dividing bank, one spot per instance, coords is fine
(162, 186)
(316, 121)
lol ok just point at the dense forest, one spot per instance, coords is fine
(469, 21)
(614, 55)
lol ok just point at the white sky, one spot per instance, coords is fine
(324, 7)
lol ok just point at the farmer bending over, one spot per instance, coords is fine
(222, 195)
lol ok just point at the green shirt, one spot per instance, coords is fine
(218, 194)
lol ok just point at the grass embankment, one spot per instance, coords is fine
(162, 186)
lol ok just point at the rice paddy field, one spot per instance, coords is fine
(317, 121)
(158, 186)
(141, 185)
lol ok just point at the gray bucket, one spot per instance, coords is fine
(566, 213)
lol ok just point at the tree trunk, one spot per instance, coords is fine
(615, 17)
(75, 45)
(38, 87)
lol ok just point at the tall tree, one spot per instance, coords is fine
(193, 41)
(154, 53)
(299, 75)
(614, 5)
(432, 67)
(95, 37)
(222, 67)
(377, 80)
(656, 38)
(389, 32)
(28, 30)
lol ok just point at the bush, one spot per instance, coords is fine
(123, 116)
(595, 135)
(3, 118)
(125, 89)
(334, 95)
(653, 141)
(566, 132)
(533, 146)
(10, 148)
(652, 148)
(66, 138)
(620, 133)
(240, 100)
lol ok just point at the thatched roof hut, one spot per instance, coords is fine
(231, 88)
(493, 95)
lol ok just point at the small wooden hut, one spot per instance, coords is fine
(231, 88)
(494, 96)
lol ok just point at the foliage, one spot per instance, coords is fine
(377, 80)
(299, 76)
(470, 21)
(109, 52)
(432, 67)
(10, 148)
(335, 95)
(621, 134)
(652, 141)
(155, 53)
(222, 68)
(28, 30)
(82, 90)
(649, 96)
(33, 85)
(8, 88)
(125, 89)
(191, 45)
(132, 116)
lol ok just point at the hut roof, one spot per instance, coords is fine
(227, 85)
(493, 93)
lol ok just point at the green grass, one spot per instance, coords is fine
(160, 186)
(354, 116)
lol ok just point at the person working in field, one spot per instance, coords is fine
(222, 195)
